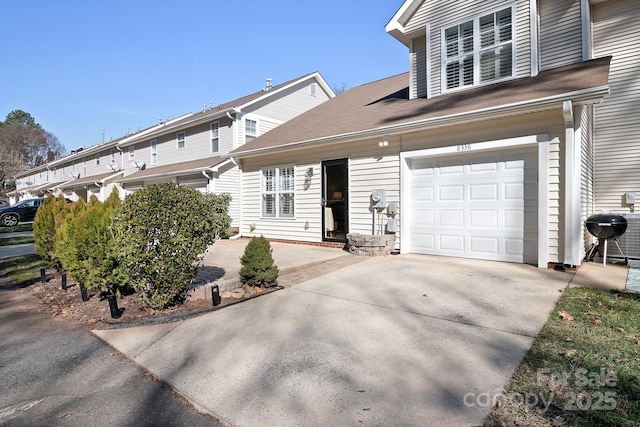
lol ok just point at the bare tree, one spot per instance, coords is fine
(24, 144)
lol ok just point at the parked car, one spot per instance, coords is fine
(24, 210)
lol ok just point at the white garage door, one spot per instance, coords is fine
(475, 206)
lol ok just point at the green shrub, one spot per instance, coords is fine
(258, 268)
(45, 227)
(161, 231)
(96, 262)
(66, 253)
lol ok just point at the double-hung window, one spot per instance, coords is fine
(113, 156)
(250, 130)
(154, 152)
(215, 137)
(278, 192)
(132, 153)
(479, 50)
(97, 159)
(181, 140)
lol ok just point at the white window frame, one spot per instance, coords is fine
(250, 136)
(154, 152)
(181, 140)
(132, 152)
(113, 156)
(214, 130)
(276, 186)
(476, 51)
(97, 157)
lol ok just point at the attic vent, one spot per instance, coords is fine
(630, 241)
(313, 90)
(269, 84)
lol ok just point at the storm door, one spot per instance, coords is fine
(335, 200)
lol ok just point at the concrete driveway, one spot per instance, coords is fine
(398, 340)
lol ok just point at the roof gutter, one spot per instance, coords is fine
(581, 97)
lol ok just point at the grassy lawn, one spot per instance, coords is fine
(22, 269)
(20, 227)
(583, 368)
(16, 240)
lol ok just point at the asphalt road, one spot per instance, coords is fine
(58, 374)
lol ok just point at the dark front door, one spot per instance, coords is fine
(335, 200)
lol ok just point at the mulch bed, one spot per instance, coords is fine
(67, 305)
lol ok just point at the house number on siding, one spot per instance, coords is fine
(464, 147)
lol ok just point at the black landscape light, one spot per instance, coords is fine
(113, 306)
(215, 295)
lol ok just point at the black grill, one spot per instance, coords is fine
(605, 227)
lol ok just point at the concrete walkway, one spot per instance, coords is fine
(398, 340)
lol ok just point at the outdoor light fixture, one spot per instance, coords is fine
(384, 142)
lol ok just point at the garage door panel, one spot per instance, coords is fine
(481, 206)
(453, 244)
(424, 242)
(451, 192)
(456, 170)
(486, 244)
(423, 194)
(482, 168)
(514, 191)
(514, 246)
(484, 191)
(451, 218)
(514, 219)
(484, 218)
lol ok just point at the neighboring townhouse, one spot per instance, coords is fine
(497, 144)
(85, 172)
(187, 150)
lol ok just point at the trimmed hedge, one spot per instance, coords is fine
(161, 231)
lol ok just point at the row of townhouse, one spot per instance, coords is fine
(517, 119)
(188, 150)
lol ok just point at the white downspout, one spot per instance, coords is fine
(210, 180)
(572, 228)
(239, 235)
(121, 157)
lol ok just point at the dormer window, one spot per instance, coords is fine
(478, 51)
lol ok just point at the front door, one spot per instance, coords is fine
(335, 200)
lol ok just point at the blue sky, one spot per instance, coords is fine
(79, 66)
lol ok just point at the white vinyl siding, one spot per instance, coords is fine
(278, 191)
(587, 153)
(228, 181)
(617, 153)
(479, 50)
(560, 33)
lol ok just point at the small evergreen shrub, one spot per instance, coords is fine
(96, 262)
(258, 268)
(45, 227)
(161, 232)
(66, 253)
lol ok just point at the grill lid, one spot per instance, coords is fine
(606, 226)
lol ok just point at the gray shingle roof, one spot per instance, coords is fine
(385, 103)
